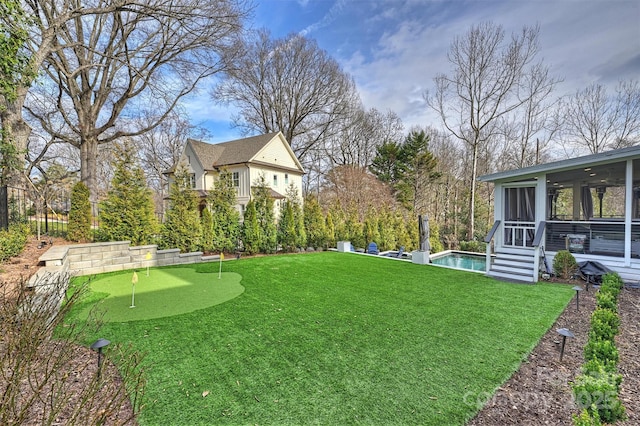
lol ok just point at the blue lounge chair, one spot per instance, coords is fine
(373, 249)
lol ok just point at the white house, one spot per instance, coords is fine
(588, 205)
(247, 160)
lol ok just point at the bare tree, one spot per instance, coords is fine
(160, 149)
(40, 20)
(528, 130)
(485, 85)
(596, 122)
(363, 131)
(109, 67)
(288, 85)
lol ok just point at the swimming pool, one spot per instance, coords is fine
(460, 260)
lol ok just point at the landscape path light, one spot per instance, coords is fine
(578, 289)
(97, 346)
(564, 333)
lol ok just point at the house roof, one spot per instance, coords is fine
(571, 163)
(237, 151)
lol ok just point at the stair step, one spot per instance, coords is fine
(524, 252)
(517, 263)
(511, 276)
(510, 255)
(512, 269)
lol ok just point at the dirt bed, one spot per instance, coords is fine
(539, 393)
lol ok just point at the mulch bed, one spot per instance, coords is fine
(79, 370)
(539, 393)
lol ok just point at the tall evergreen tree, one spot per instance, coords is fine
(331, 230)
(418, 170)
(182, 228)
(353, 229)
(386, 165)
(128, 211)
(388, 239)
(298, 216)
(314, 222)
(407, 167)
(79, 227)
(287, 227)
(225, 217)
(252, 234)
(370, 228)
(264, 210)
(208, 231)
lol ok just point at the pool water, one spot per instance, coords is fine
(468, 261)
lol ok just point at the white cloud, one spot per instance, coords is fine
(582, 42)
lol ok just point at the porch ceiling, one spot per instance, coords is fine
(602, 175)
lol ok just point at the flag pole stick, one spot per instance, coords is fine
(148, 258)
(134, 280)
(220, 269)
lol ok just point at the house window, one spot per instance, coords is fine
(236, 179)
(286, 178)
(275, 180)
(192, 180)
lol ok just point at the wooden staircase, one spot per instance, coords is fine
(513, 265)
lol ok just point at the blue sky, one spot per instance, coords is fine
(394, 48)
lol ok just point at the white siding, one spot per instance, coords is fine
(193, 166)
(277, 154)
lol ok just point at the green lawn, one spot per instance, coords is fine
(334, 338)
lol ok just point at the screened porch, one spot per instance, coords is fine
(594, 210)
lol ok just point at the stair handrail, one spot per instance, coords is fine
(487, 240)
(539, 233)
(491, 232)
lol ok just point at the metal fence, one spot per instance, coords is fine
(46, 214)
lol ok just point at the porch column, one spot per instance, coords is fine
(498, 214)
(628, 211)
(541, 215)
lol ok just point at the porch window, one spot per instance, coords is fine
(236, 179)
(636, 191)
(192, 180)
(275, 180)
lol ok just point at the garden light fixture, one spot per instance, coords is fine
(578, 289)
(97, 346)
(564, 333)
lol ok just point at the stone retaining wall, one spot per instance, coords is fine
(97, 258)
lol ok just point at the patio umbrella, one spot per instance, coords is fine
(424, 233)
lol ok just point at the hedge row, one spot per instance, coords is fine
(596, 389)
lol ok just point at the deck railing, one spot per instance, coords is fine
(601, 237)
(519, 234)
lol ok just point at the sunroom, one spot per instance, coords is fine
(588, 205)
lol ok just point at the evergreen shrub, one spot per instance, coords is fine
(79, 227)
(564, 264)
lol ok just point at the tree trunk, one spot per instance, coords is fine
(88, 167)
(472, 198)
(17, 131)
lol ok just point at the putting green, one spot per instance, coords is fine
(164, 293)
